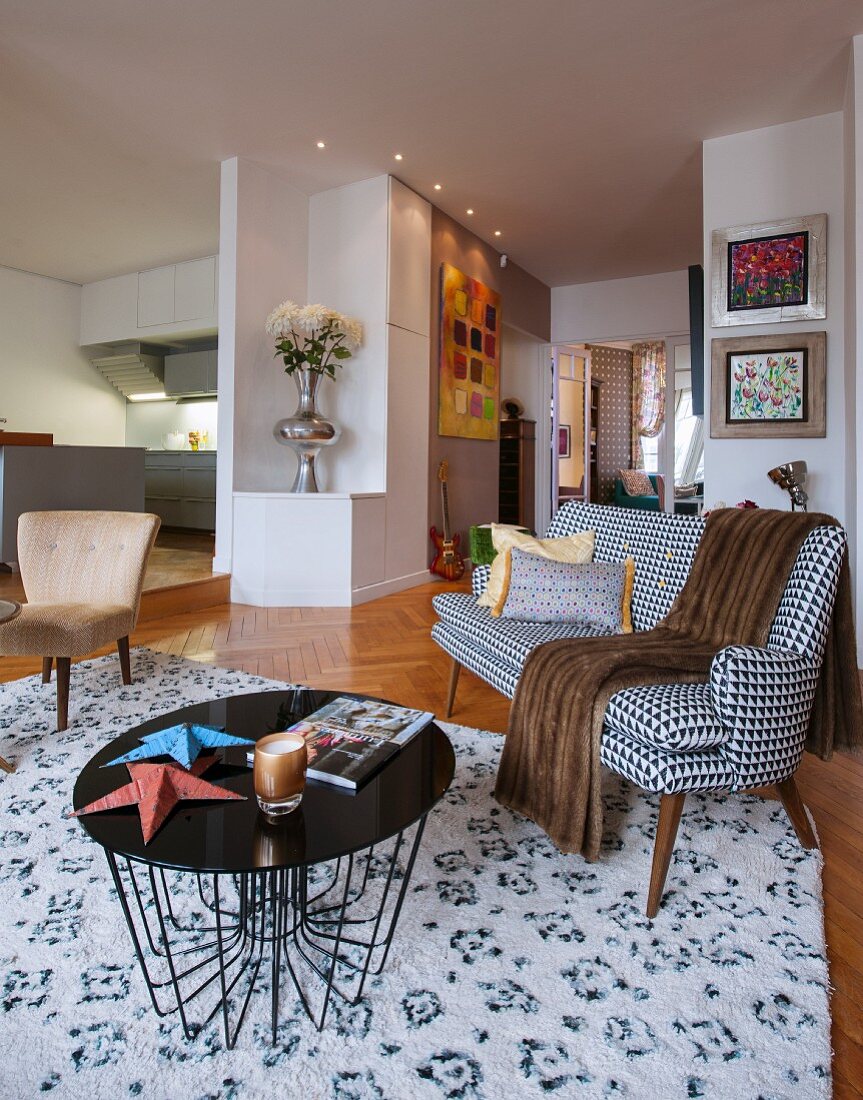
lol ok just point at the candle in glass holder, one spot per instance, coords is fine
(280, 772)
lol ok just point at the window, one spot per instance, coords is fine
(650, 450)
(688, 441)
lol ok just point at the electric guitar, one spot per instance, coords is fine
(448, 562)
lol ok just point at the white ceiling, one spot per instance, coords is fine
(574, 126)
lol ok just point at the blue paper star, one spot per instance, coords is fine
(183, 742)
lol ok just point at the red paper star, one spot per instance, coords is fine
(157, 788)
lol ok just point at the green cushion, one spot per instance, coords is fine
(482, 551)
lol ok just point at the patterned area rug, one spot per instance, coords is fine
(515, 971)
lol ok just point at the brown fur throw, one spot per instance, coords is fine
(550, 769)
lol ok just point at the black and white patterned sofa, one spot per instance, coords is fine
(743, 728)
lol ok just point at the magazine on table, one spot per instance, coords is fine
(348, 740)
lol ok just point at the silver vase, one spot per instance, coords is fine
(306, 431)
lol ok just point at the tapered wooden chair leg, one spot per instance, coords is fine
(453, 684)
(670, 809)
(796, 811)
(6, 766)
(47, 664)
(64, 665)
(125, 666)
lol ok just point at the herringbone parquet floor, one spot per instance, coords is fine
(383, 648)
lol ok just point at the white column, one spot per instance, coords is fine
(263, 250)
(364, 249)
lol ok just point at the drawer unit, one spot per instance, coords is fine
(180, 487)
(163, 481)
(199, 484)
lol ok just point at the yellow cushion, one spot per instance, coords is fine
(577, 548)
(627, 595)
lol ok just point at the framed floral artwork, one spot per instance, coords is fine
(564, 441)
(770, 272)
(768, 386)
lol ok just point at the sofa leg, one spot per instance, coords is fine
(796, 811)
(453, 684)
(125, 666)
(64, 665)
(47, 665)
(670, 809)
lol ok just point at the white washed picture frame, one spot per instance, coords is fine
(814, 308)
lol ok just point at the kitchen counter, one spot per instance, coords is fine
(55, 478)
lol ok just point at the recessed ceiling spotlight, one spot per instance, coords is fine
(497, 232)
(321, 145)
(469, 211)
(398, 156)
(438, 187)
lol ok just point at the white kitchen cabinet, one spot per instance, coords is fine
(156, 296)
(109, 309)
(195, 289)
(177, 301)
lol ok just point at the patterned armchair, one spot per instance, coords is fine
(744, 728)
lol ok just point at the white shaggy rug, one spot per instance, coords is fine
(515, 972)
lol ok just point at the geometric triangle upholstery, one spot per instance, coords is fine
(675, 717)
(662, 545)
(742, 729)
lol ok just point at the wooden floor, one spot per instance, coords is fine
(383, 648)
(177, 558)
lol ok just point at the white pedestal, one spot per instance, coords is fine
(312, 550)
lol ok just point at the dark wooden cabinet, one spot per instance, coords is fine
(516, 492)
(594, 441)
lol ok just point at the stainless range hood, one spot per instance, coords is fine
(133, 369)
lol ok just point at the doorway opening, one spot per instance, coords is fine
(622, 404)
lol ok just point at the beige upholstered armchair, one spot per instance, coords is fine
(82, 573)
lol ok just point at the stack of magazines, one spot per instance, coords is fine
(348, 740)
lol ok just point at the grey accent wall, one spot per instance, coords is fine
(525, 305)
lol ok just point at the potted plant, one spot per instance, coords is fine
(312, 341)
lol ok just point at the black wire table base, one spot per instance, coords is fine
(206, 942)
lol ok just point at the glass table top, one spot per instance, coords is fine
(235, 836)
(8, 610)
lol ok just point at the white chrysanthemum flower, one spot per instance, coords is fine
(352, 331)
(283, 319)
(312, 321)
(313, 317)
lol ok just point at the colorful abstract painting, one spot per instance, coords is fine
(469, 403)
(767, 386)
(768, 271)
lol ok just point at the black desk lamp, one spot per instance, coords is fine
(791, 476)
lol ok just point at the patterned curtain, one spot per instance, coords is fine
(648, 395)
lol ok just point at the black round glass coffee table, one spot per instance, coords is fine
(222, 900)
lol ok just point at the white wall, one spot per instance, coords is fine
(348, 271)
(148, 421)
(645, 305)
(46, 381)
(364, 249)
(263, 258)
(765, 175)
